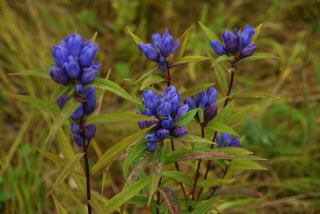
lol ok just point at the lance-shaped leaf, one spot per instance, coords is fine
(67, 170)
(186, 118)
(257, 32)
(116, 117)
(257, 56)
(138, 169)
(215, 182)
(133, 154)
(54, 158)
(222, 59)
(179, 176)
(135, 38)
(190, 59)
(59, 207)
(247, 165)
(150, 80)
(195, 139)
(205, 206)
(221, 77)
(35, 73)
(195, 90)
(116, 149)
(209, 33)
(168, 194)
(125, 195)
(183, 40)
(146, 74)
(114, 88)
(220, 127)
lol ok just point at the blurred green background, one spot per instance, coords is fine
(284, 129)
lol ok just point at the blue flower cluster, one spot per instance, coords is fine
(75, 66)
(168, 110)
(225, 140)
(236, 44)
(163, 46)
(205, 100)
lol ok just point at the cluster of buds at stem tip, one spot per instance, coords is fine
(205, 100)
(75, 66)
(236, 43)
(163, 46)
(167, 111)
(225, 140)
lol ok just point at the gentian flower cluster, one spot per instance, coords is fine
(225, 140)
(205, 100)
(236, 44)
(168, 110)
(75, 66)
(163, 46)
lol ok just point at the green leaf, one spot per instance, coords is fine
(133, 154)
(195, 139)
(179, 176)
(115, 88)
(67, 170)
(171, 200)
(222, 59)
(116, 117)
(221, 77)
(246, 165)
(190, 59)
(215, 182)
(148, 73)
(220, 127)
(94, 37)
(257, 32)
(204, 207)
(257, 56)
(156, 172)
(253, 94)
(150, 80)
(209, 33)
(186, 118)
(115, 150)
(135, 38)
(126, 194)
(184, 38)
(36, 73)
(174, 156)
(59, 207)
(54, 158)
(195, 90)
(41, 104)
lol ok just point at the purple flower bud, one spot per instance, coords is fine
(181, 111)
(176, 47)
(62, 100)
(163, 64)
(217, 47)
(166, 45)
(90, 104)
(89, 74)
(78, 113)
(58, 75)
(223, 139)
(202, 99)
(146, 124)
(73, 44)
(210, 112)
(156, 38)
(79, 89)
(87, 53)
(60, 53)
(164, 109)
(153, 137)
(174, 100)
(151, 146)
(89, 131)
(149, 99)
(191, 103)
(75, 128)
(235, 142)
(230, 41)
(249, 50)
(149, 51)
(163, 133)
(78, 139)
(178, 131)
(246, 35)
(167, 123)
(72, 67)
(212, 94)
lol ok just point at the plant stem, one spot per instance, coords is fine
(214, 189)
(231, 81)
(168, 78)
(178, 170)
(85, 146)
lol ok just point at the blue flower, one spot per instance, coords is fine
(237, 44)
(62, 100)
(167, 109)
(89, 74)
(90, 104)
(225, 140)
(59, 75)
(71, 66)
(87, 53)
(89, 131)
(73, 44)
(205, 100)
(163, 46)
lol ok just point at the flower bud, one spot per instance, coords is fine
(149, 51)
(62, 100)
(78, 139)
(212, 94)
(72, 67)
(166, 45)
(78, 113)
(217, 47)
(60, 53)
(164, 109)
(146, 124)
(58, 75)
(79, 89)
(178, 131)
(181, 111)
(153, 137)
(202, 99)
(87, 53)
(73, 44)
(191, 103)
(163, 133)
(224, 139)
(90, 104)
(249, 50)
(167, 123)
(89, 131)
(210, 112)
(156, 38)
(149, 99)
(75, 128)
(151, 146)
(230, 41)
(235, 142)
(163, 64)
(246, 35)
(89, 74)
